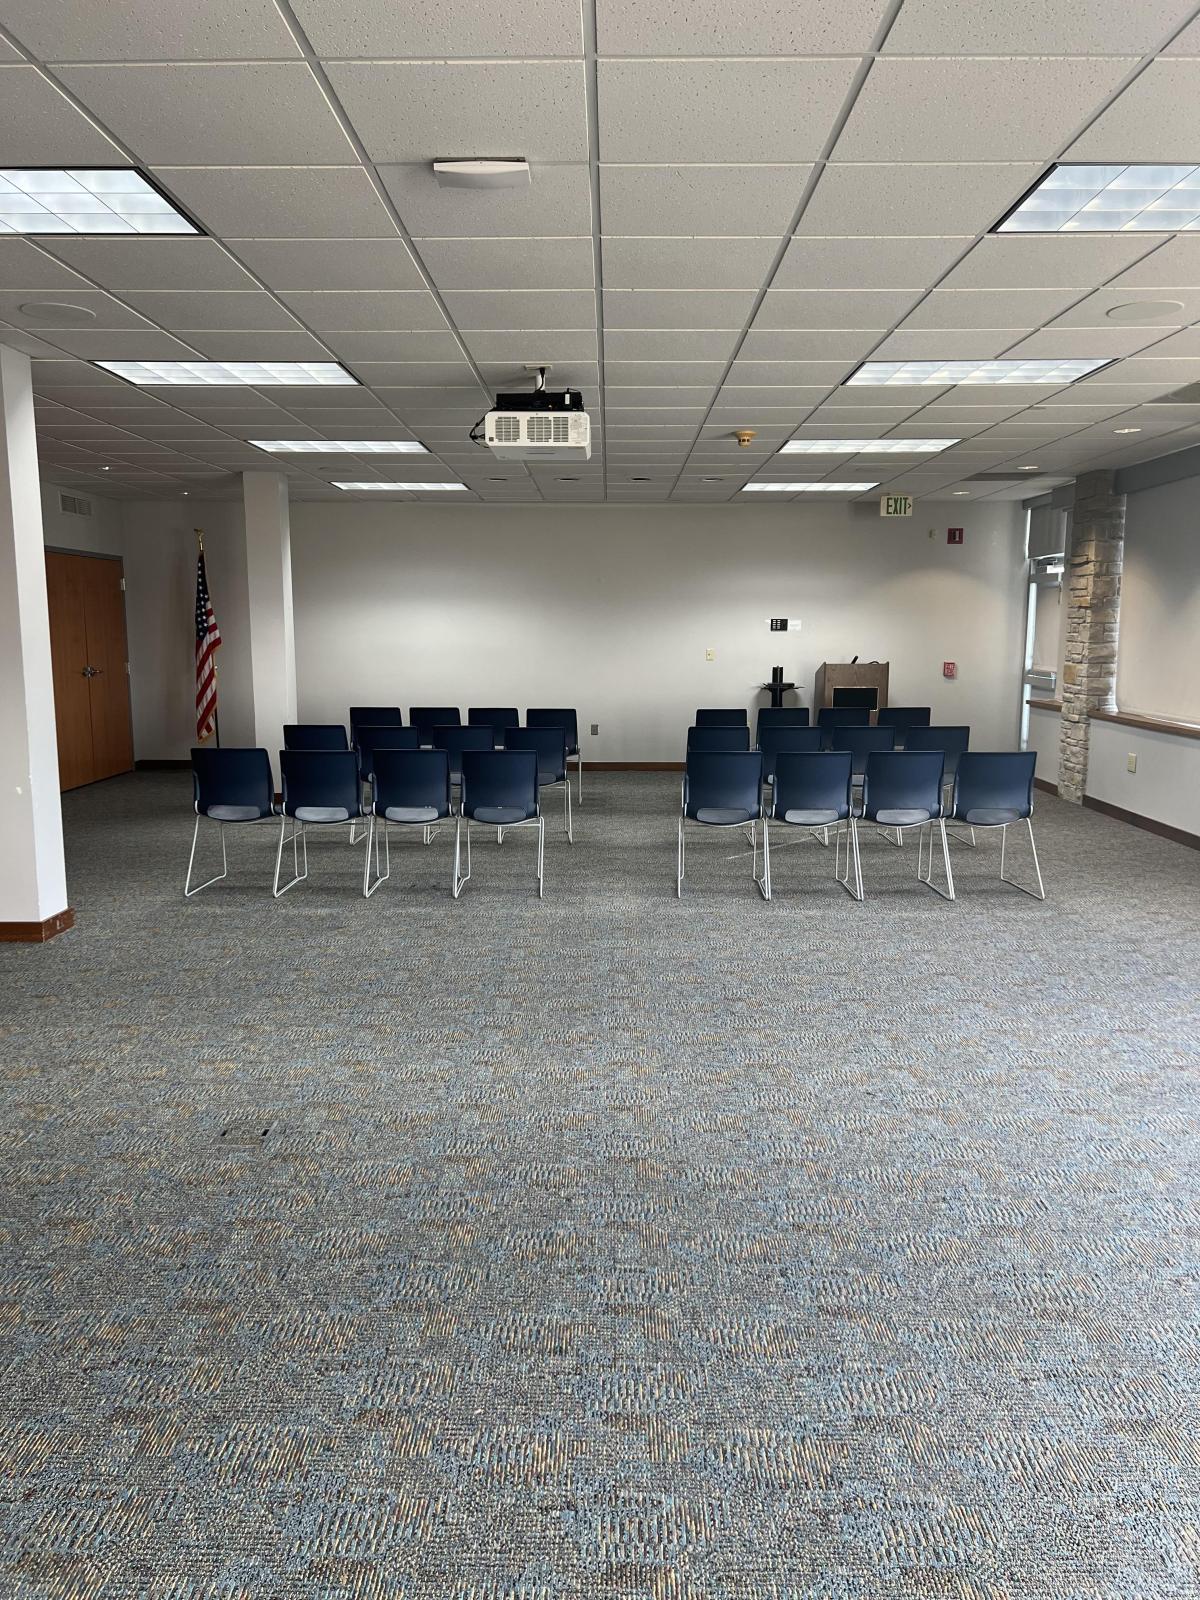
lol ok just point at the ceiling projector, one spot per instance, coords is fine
(537, 423)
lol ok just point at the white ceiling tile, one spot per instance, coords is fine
(896, 395)
(768, 374)
(215, 114)
(557, 201)
(655, 308)
(455, 109)
(1029, 28)
(903, 200)
(1184, 343)
(1175, 264)
(24, 266)
(511, 375)
(363, 28)
(1154, 120)
(256, 345)
(1079, 344)
(1092, 311)
(332, 263)
(107, 312)
(146, 30)
(756, 28)
(509, 263)
(956, 344)
(963, 109)
(654, 414)
(832, 308)
(621, 396)
(669, 344)
(796, 396)
(281, 202)
(989, 308)
(947, 410)
(367, 309)
(39, 127)
(1186, 43)
(1165, 372)
(415, 374)
(688, 200)
(864, 263)
(808, 344)
(688, 373)
(1046, 261)
(499, 310)
(1083, 415)
(121, 344)
(151, 263)
(403, 345)
(211, 308)
(665, 111)
(515, 349)
(700, 263)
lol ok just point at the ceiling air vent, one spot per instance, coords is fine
(1189, 395)
(75, 505)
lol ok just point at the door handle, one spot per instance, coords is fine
(89, 672)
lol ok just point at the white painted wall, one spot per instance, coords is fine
(1044, 727)
(1166, 785)
(1158, 669)
(611, 609)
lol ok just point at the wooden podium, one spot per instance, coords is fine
(833, 675)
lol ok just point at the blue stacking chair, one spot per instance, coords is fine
(314, 736)
(373, 737)
(779, 717)
(719, 736)
(831, 717)
(229, 785)
(951, 741)
(860, 743)
(427, 718)
(994, 791)
(411, 790)
(814, 789)
(716, 717)
(500, 790)
(374, 717)
(723, 789)
(902, 718)
(495, 717)
(773, 741)
(321, 788)
(551, 747)
(903, 789)
(454, 739)
(567, 719)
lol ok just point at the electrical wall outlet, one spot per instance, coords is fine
(710, 655)
(595, 729)
(1131, 762)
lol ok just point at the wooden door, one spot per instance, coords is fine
(108, 654)
(89, 653)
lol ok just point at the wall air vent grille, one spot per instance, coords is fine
(75, 505)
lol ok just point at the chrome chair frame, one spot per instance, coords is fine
(762, 881)
(428, 829)
(189, 889)
(539, 821)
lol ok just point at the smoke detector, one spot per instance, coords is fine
(745, 437)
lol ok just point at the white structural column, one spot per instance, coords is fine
(269, 590)
(33, 879)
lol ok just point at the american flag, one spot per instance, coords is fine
(208, 637)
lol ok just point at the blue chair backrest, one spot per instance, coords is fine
(780, 717)
(991, 782)
(314, 736)
(375, 716)
(556, 717)
(903, 780)
(370, 738)
(952, 741)
(903, 716)
(843, 716)
(412, 780)
(813, 780)
(551, 747)
(723, 780)
(453, 738)
(861, 742)
(719, 736)
(320, 778)
(715, 717)
(429, 717)
(497, 718)
(232, 777)
(500, 779)
(771, 741)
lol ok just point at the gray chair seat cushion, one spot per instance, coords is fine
(412, 814)
(545, 778)
(991, 817)
(723, 816)
(499, 816)
(321, 814)
(905, 817)
(811, 819)
(235, 813)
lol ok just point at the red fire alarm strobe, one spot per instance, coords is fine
(954, 536)
(949, 669)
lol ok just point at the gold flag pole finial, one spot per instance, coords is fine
(199, 532)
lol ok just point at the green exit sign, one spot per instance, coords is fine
(895, 505)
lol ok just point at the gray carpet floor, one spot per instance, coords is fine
(607, 1246)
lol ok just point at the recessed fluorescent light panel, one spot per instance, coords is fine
(874, 447)
(807, 488)
(257, 374)
(85, 200)
(403, 488)
(336, 447)
(941, 374)
(1109, 199)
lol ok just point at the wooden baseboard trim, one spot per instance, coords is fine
(162, 766)
(1046, 785)
(633, 766)
(36, 932)
(1164, 830)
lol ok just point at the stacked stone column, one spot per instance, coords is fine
(1093, 585)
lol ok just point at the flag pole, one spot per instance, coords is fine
(199, 532)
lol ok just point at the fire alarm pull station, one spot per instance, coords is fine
(949, 669)
(954, 536)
